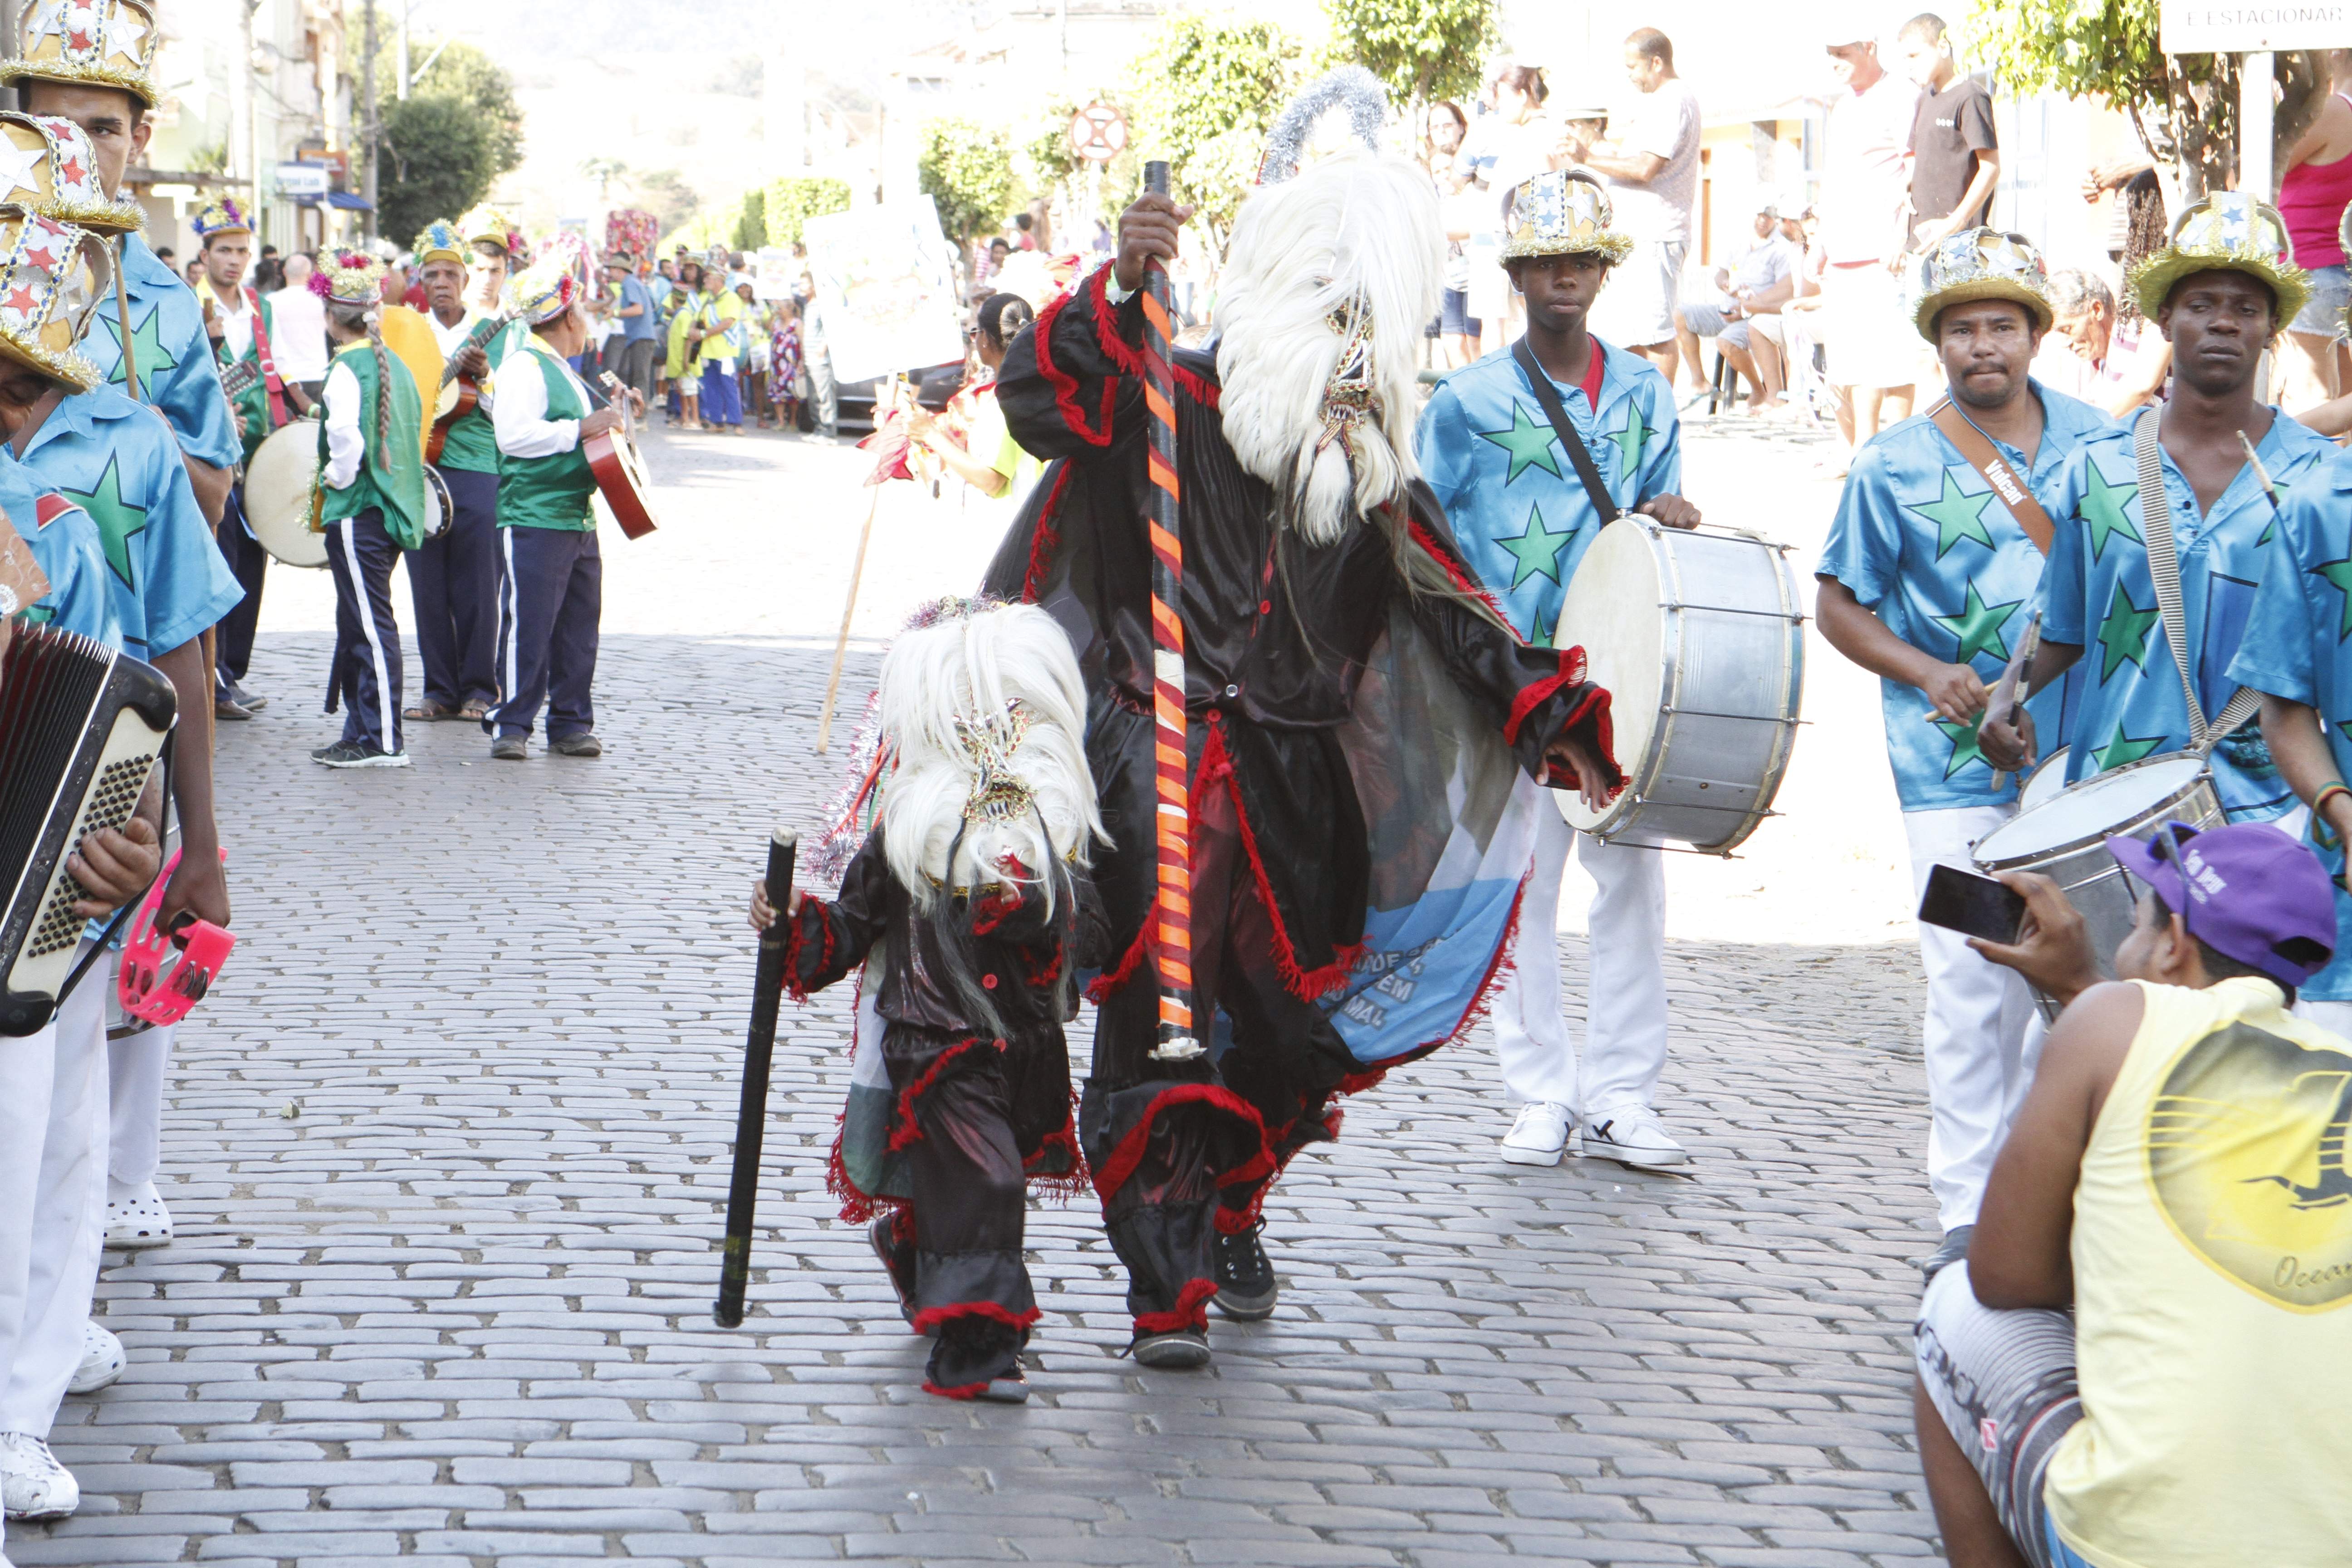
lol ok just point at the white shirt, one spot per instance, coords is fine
(297, 334)
(1664, 123)
(346, 442)
(521, 421)
(450, 338)
(1867, 180)
(236, 320)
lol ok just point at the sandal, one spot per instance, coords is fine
(429, 713)
(476, 710)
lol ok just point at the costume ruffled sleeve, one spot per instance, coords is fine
(827, 940)
(1072, 382)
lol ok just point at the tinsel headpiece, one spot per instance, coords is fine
(542, 291)
(1352, 88)
(89, 43)
(46, 167)
(223, 216)
(440, 241)
(349, 278)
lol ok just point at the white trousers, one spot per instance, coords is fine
(1981, 1034)
(1625, 1008)
(136, 1066)
(53, 1108)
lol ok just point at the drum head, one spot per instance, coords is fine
(2092, 809)
(278, 495)
(1613, 610)
(438, 507)
(2045, 782)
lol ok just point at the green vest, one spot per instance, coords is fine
(392, 476)
(551, 491)
(471, 444)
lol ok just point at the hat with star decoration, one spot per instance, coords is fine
(46, 167)
(92, 43)
(349, 277)
(2226, 231)
(440, 241)
(223, 216)
(543, 291)
(53, 279)
(1562, 212)
(1981, 264)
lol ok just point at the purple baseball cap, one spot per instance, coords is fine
(2247, 891)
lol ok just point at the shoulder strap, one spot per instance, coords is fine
(2164, 570)
(270, 375)
(1987, 461)
(1546, 393)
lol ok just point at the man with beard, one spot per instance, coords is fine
(2220, 292)
(1928, 581)
(1342, 669)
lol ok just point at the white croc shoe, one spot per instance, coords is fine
(1539, 1136)
(103, 1360)
(33, 1484)
(138, 1220)
(1633, 1137)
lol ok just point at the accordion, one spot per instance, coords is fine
(82, 728)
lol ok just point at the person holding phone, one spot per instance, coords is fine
(1928, 582)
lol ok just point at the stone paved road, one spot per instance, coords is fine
(450, 1143)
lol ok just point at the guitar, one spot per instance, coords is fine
(620, 474)
(459, 394)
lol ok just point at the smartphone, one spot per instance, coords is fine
(1972, 905)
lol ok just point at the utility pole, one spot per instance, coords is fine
(374, 121)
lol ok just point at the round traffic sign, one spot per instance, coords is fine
(1098, 132)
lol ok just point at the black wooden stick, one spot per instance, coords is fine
(751, 1114)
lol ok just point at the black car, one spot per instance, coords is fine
(933, 386)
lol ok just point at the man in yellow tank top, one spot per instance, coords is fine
(2177, 1177)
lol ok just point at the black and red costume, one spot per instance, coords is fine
(1280, 637)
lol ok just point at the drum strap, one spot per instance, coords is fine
(1978, 448)
(2164, 570)
(1603, 503)
(270, 377)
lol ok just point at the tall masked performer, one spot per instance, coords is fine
(1356, 708)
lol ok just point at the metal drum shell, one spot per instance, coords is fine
(439, 509)
(1699, 637)
(2082, 867)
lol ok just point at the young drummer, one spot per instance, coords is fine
(453, 578)
(550, 575)
(972, 894)
(372, 471)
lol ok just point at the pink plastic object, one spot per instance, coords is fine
(166, 974)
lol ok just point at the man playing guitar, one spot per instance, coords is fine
(237, 321)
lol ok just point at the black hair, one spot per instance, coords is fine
(1527, 81)
(1001, 317)
(2221, 966)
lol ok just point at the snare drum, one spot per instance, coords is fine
(2064, 838)
(1699, 640)
(2045, 782)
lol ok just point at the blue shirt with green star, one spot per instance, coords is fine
(1922, 540)
(2099, 597)
(117, 461)
(2298, 646)
(1512, 495)
(65, 544)
(176, 370)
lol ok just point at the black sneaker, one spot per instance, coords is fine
(509, 749)
(583, 744)
(1954, 1249)
(351, 755)
(1247, 1291)
(1181, 1351)
(247, 700)
(898, 1262)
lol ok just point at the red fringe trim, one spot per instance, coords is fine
(1306, 984)
(1357, 1082)
(960, 1390)
(1233, 1222)
(1046, 540)
(1113, 1174)
(859, 1207)
(908, 1130)
(1065, 386)
(797, 938)
(1206, 393)
(1129, 358)
(1454, 569)
(1191, 1311)
(1075, 1177)
(1536, 693)
(1100, 988)
(930, 1318)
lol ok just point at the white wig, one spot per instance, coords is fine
(985, 708)
(1347, 258)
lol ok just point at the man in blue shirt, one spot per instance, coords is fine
(1928, 581)
(640, 326)
(1524, 521)
(2220, 293)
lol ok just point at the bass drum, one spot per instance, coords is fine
(438, 508)
(281, 493)
(1698, 638)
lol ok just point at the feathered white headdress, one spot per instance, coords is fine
(1331, 277)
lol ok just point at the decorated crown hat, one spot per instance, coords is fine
(349, 277)
(1562, 212)
(53, 278)
(223, 216)
(569, 249)
(93, 43)
(440, 241)
(1981, 264)
(543, 291)
(46, 167)
(487, 224)
(2232, 232)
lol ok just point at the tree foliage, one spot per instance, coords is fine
(447, 144)
(1422, 50)
(665, 193)
(2185, 107)
(967, 171)
(751, 223)
(1206, 92)
(792, 202)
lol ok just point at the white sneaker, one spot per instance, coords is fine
(1633, 1137)
(33, 1484)
(1539, 1136)
(138, 1220)
(103, 1360)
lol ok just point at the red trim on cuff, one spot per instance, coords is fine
(1113, 1173)
(930, 1318)
(1191, 1311)
(1536, 693)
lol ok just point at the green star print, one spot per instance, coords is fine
(118, 521)
(146, 340)
(1528, 442)
(1978, 626)
(1537, 551)
(2122, 747)
(2123, 636)
(1629, 442)
(1965, 749)
(2103, 510)
(2340, 575)
(1957, 516)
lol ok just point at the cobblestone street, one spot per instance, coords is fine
(449, 1149)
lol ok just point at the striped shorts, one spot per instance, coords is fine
(2004, 1383)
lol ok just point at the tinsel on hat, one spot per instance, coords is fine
(487, 224)
(223, 216)
(544, 290)
(439, 241)
(1981, 264)
(1563, 211)
(47, 166)
(89, 43)
(349, 278)
(49, 290)
(631, 230)
(2226, 231)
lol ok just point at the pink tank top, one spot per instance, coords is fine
(2312, 199)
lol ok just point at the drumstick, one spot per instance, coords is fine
(2005, 690)
(752, 1111)
(2261, 474)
